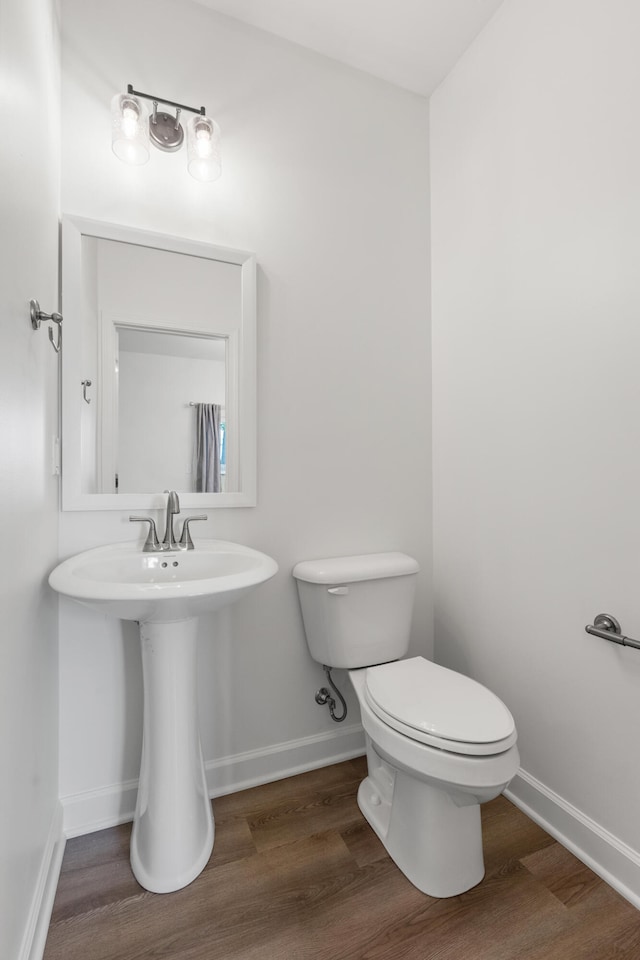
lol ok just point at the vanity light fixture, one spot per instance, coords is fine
(132, 127)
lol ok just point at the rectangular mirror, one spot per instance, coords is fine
(158, 370)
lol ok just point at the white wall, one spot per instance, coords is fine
(29, 58)
(535, 234)
(156, 286)
(325, 177)
(140, 455)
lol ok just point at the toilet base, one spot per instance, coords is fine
(433, 840)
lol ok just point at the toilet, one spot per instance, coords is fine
(438, 743)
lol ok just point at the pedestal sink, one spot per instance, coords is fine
(165, 592)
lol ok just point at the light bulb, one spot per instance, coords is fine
(204, 142)
(130, 118)
(129, 129)
(203, 145)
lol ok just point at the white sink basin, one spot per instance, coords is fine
(121, 580)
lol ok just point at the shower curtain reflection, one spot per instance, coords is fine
(207, 448)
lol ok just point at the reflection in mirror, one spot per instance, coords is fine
(131, 460)
(164, 329)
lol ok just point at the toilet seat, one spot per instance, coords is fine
(439, 707)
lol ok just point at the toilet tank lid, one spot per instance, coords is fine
(368, 566)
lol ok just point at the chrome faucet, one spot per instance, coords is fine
(152, 544)
(173, 507)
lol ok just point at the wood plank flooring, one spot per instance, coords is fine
(297, 874)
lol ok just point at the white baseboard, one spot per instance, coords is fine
(108, 806)
(287, 759)
(614, 861)
(35, 935)
(98, 809)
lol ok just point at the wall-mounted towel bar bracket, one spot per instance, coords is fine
(607, 628)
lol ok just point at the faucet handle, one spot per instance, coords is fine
(186, 543)
(151, 544)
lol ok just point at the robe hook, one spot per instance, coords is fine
(37, 316)
(85, 384)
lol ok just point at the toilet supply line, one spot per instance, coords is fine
(323, 696)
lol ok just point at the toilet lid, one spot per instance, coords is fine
(432, 703)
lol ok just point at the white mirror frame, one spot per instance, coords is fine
(243, 377)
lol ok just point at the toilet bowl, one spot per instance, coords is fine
(438, 743)
(422, 797)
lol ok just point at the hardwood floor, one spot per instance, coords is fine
(297, 874)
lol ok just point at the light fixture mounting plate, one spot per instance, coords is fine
(165, 132)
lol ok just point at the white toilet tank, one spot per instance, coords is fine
(357, 610)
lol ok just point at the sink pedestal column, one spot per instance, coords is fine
(173, 826)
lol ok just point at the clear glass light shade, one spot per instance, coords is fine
(203, 147)
(129, 129)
